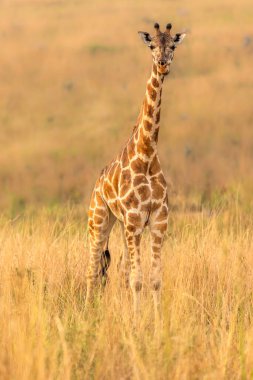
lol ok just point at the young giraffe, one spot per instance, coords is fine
(132, 188)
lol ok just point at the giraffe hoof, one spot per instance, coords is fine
(104, 279)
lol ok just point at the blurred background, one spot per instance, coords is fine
(73, 76)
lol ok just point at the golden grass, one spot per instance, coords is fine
(73, 77)
(207, 302)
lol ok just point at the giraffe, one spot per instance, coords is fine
(132, 188)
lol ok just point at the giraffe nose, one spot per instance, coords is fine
(162, 62)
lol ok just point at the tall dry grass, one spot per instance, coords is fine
(73, 77)
(207, 303)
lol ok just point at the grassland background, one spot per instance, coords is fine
(73, 76)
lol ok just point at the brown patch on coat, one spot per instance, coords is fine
(155, 166)
(137, 239)
(157, 190)
(155, 82)
(156, 239)
(131, 149)
(152, 92)
(163, 215)
(162, 227)
(99, 200)
(140, 179)
(157, 116)
(146, 207)
(125, 177)
(97, 219)
(144, 144)
(115, 179)
(130, 237)
(145, 105)
(155, 134)
(124, 158)
(139, 166)
(147, 125)
(144, 192)
(108, 190)
(150, 110)
(100, 212)
(120, 208)
(130, 228)
(90, 213)
(155, 206)
(130, 201)
(134, 218)
(125, 182)
(162, 180)
(111, 170)
(123, 190)
(90, 223)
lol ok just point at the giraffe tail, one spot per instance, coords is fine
(104, 263)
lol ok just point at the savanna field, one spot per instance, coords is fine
(73, 76)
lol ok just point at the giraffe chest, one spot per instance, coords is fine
(134, 188)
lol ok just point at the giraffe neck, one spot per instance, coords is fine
(147, 128)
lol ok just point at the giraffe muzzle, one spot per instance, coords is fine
(162, 63)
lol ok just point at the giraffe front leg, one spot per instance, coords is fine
(158, 229)
(124, 262)
(133, 244)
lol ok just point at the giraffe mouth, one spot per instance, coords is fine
(163, 69)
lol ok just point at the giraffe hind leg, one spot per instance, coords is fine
(105, 262)
(100, 224)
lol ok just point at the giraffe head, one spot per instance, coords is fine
(162, 46)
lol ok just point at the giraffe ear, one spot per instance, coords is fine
(178, 38)
(146, 38)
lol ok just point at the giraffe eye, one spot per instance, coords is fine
(151, 47)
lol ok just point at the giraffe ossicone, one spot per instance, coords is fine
(132, 189)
